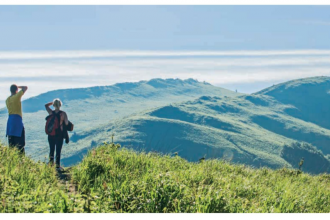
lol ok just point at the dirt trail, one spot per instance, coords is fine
(66, 181)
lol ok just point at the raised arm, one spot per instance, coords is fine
(24, 88)
(49, 110)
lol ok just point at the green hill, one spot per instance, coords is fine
(111, 180)
(309, 96)
(95, 106)
(257, 130)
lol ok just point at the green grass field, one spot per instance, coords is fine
(121, 180)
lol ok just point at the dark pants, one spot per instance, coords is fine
(18, 142)
(55, 143)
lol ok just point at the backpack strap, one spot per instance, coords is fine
(58, 115)
(53, 113)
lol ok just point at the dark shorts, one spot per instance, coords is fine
(18, 142)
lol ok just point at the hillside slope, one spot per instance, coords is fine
(309, 96)
(111, 180)
(257, 129)
(95, 106)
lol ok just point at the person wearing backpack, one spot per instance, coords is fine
(57, 125)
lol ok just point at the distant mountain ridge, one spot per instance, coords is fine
(92, 107)
(259, 129)
(150, 87)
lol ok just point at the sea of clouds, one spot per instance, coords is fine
(246, 71)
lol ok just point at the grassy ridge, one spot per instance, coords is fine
(112, 180)
(26, 186)
(130, 182)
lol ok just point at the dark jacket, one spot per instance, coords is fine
(67, 128)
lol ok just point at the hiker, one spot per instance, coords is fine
(57, 127)
(15, 128)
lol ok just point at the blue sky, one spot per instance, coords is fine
(164, 27)
(236, 47)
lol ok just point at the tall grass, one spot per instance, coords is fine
(126, 181)
(27, 186)
(112, 180)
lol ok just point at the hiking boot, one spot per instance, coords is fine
(59, 169)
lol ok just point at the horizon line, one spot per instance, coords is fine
(79, 54)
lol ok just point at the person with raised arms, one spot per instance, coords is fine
(15, 127)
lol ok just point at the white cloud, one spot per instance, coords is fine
(8, 55)
(42, 75)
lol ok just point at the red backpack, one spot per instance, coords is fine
(53, 123)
